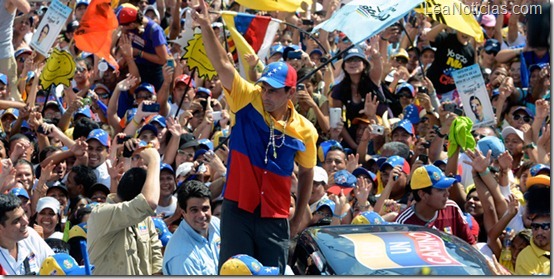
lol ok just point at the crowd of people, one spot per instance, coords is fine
(160, 172)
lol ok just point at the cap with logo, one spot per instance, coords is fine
(326, 202)
(20, 192)
(99, 135)
(394, 161)
(406, 125)
(324, 148)
(430, 176)
(539, 169)
(145, 86)
(368, 218)
(344, 180)
(246, 265)
(127, 15)
(61, 264)
(279, 75)
(292, 52)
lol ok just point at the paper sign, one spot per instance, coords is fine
(49, 27)
(59, 69)
(197, 58)
(473, 93)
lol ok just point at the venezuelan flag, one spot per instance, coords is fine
(251, 34)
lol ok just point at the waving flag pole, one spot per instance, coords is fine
(417, 51)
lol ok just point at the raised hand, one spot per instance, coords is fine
(479, 162)
(352, 162)
(362, 190)
(127, 83)
(505, 160)
(251, 59)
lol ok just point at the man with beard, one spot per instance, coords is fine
(433, 209)
(535, 258)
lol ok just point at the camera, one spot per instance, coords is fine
(155, 107)
(377, 129)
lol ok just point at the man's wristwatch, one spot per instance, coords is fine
(531, 145)
(440, 135)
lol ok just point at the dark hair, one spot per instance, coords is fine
(425, 190)
(192, 189)
(8, 202)
(83, 127)
(42, 154)
(57, 245)
(17, 137)
(25, 162)
(416, 78)
(304, 72)
(77, 217)
(474, 98)
(84, 176)
(334, 148)
(131, 184)
(84, 60)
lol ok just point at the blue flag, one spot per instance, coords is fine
(361, 19)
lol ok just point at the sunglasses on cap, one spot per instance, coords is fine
(543, 226)
(526, 118)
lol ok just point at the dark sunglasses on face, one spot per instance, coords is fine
(526, 118)
(104, 95)
(544, 226)
(79, 69)
(400, 95)
(479, 136)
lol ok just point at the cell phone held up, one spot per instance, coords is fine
(424, 158)
(452, 108)
(155, 107)
(121, 140)
(301, 86)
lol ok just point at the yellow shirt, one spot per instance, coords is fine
(122, 238)
(533, 261)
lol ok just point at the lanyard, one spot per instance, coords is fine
(8, 263)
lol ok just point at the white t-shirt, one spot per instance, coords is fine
(32, 247)
(102, 175)
(167, 210)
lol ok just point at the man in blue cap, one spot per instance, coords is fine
(98, 150)
(168, 202)
(268, 138)
(404, 132)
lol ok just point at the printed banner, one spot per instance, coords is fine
(49, 27)
(475, 98)
(373, 15)
(400, 250)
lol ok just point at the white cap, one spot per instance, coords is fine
(48, 202)
(511, 130)
(184, 169)
(320, 175)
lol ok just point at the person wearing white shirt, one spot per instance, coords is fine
(22, 250)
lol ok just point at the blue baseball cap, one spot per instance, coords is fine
(394, 161)
(149, 127)
(343, 180)
(85, 110)
(324, 148)
(159, 119)
(326, 202)
(61, 264)
(146, 86)
(364, 171)
(411, 112)
(526, 109)
(316, 51)
(164, 235)
(204, 90)
(356, 51)
(23, 50)
(439, 163)
(278, 75)
(25, 125)
(406, 125)
(278, 48)
(491, 143)
(292, 52)
(536, 169)
(495, 92)
(101, 86)
(492, 46)
(82, 2)
(205, 144)
(369, 218)
(246, 265)
(99, 135)
(4, 79)
(405, 86)
(167, 167)
(12, 111)
(429, 175)
(20, 192)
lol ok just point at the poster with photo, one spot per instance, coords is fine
(49, 27)
(475, 98)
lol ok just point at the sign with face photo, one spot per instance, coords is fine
(49, 27)
(473, 93)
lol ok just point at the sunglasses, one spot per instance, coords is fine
(80, 69)
(400, 95)
(478, 136)
(543, 226)
(526, 118)
(104, 96)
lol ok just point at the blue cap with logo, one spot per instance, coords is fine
(326, 202)
(146, 86)
(324, 148)
(536, 169)
(278, 75)
(292, 52)
(246, 265)
(368, 218)
(166, 167)
(406, 125)
(4, 79)
(429, 175)
(164, 235)
(344, 180)
(61, 264)
(159, 119)
(99, 135)
(278, 48)
(20, 192)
